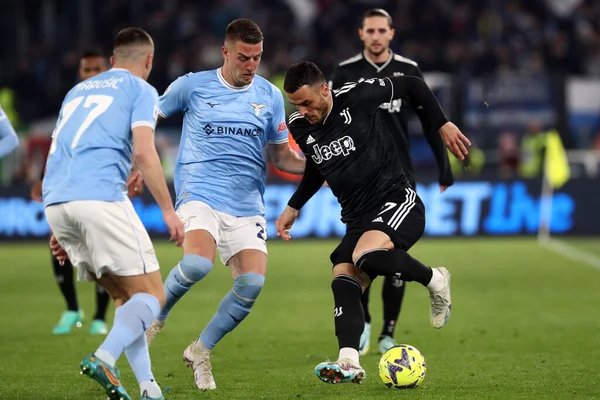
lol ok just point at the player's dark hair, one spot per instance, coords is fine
(92, 53)
(378, 12)
(300, 74)
(133, 37)
(244, 30)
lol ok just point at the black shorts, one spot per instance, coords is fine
(401, 217)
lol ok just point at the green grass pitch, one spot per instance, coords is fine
(525, 325)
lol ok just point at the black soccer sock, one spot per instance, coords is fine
(396, 262)
(348, 313)
(365, 304)
(64, 278)
(102, 299)
(392, 295)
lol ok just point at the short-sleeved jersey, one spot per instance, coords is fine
(349, 150)
(91, 150)
(395, 114)
(225, 130)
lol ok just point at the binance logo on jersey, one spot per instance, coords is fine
(230, 130)
(342, 146)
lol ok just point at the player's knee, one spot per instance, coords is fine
(371, 262)
(248, 286)
(193, 268)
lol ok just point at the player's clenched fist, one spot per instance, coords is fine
(285, 221)
(175, 226)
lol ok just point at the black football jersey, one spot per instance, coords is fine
(394, 114)
(349, 150)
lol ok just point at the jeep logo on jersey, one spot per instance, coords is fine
(394, 106)
(230, 130)
(338, 147)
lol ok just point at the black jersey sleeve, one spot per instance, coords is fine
(376, 91)
(435, 142)
(311, 182)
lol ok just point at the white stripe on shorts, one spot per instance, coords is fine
(403, 209)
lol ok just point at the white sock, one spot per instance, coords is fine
(151, 387)
(106, 357)
(349, 352)
(437, 281)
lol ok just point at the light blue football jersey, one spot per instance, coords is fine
(225, 130)
(8, 137)
(90, 155)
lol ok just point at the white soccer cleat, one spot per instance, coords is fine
(441, 305)
(365, 340)
(343, 370)
(198, 360)
(386, 343)
(153, 330)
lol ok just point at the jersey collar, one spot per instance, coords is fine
(330, 110)
(385, 64)
(119, 69)
(231, 87)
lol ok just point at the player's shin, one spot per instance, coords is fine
(392, 295)
(130, 322)
(139, 358)
(234, 307)
(191, 269)
(348, 315)
(395, 262)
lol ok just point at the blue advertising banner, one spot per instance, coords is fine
(469, 208)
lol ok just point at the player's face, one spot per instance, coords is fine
(312, 102)
(241, 61)
(376, 34)
(91, 66)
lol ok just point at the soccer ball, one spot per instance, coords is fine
(402, 367)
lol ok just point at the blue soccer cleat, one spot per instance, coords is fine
(105, 375)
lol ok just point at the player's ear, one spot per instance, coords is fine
(360, 34)
(224, 51)
(112, 60)
(392, 33)
(325, 89)
(149, 59)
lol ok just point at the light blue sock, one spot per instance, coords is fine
(191, 269)
(139, 358)
(233, 308)
(131, 321)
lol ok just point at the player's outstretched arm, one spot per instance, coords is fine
(149, 165)
(8, 137)
(311, 182)
(434, 139)
(423, 99)
(285, 159)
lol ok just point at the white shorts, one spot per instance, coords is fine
(101, 237)
(231, 234)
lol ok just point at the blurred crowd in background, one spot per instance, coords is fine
(466, 39)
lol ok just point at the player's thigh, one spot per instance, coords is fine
(249, 260)
(122, 288)
(116, 238)
(69, 235)
(399, 223)
(351, 270)
(201, 229)
(243, 244)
